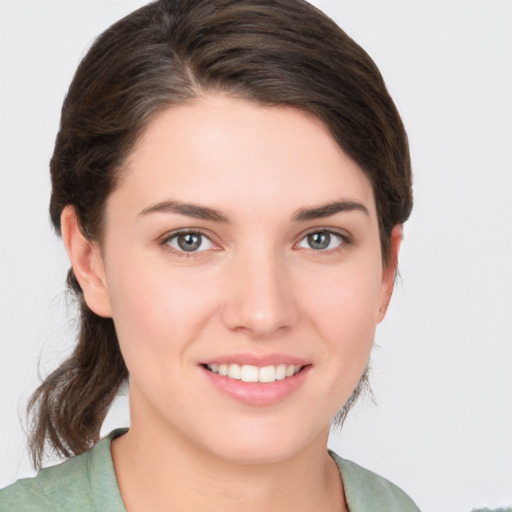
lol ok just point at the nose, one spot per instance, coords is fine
(259, 299)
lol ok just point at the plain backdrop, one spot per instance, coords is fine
(441, 427)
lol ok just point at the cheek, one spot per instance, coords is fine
(344, 315)
(155, 316)
(346, 303)
(156, 307)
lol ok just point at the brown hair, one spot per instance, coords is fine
(271, 52)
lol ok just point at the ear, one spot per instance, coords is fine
(389, 273)
(87, 263)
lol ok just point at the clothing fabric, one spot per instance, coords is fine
(87, 483)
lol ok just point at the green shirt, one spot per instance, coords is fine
(87, 483)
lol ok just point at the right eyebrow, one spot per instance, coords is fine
(188, 209)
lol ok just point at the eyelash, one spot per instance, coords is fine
(344, 240)
(166, 239)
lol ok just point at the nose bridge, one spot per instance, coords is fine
(259, 297)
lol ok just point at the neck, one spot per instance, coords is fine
(163, 473)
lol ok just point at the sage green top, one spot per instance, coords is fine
(87, 483)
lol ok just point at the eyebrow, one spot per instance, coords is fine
(328, 209)
(206, 213)
(188, 209)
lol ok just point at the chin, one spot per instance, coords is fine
(267, 442)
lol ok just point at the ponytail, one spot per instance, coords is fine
(69, 407)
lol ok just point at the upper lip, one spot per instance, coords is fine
(259, 360)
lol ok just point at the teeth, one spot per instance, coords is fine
(267, 374)
(249, 373)
(234, 371)
(281, 372)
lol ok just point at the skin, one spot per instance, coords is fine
(256, 286)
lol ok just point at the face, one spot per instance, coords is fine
(242, 267)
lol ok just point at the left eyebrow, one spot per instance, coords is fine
(328, 209)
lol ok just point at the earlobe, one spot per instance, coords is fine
(87, 263)
(389, 273)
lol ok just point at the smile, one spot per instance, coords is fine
(254, 380)
(250, 373)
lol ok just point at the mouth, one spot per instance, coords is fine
(257, 379)
(249, 373)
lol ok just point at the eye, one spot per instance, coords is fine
(321, 240)
(189, 241)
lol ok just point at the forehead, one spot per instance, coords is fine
(228, 152)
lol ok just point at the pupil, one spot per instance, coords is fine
(189, 242)
(319, 240)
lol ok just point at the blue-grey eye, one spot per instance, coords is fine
(189, 242)
(321, 240)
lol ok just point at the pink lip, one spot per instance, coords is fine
(257, 360)
(257, 393)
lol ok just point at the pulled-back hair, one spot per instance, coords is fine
(270, 52)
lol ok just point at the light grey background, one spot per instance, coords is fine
(442, 426)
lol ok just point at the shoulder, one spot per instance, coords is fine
(83, 483)
(51, 490)
(366, 491)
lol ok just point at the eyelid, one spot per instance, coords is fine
(345, 238)
(164, 241)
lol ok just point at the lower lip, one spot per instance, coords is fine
(258, 393)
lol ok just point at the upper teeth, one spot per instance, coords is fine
(249, 373)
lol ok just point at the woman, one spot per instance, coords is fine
(230, 179)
